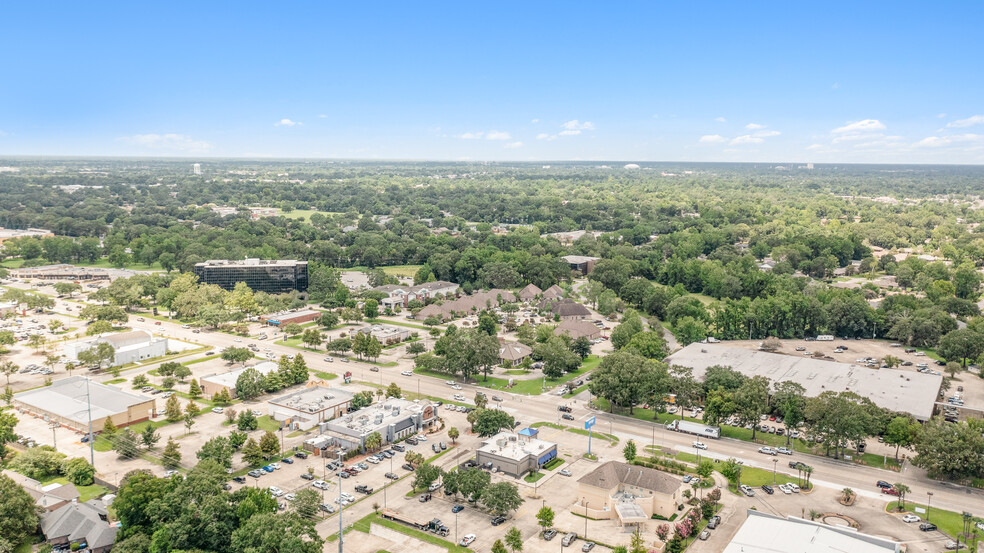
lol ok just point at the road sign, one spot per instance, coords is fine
(589, 423)
(920, 510)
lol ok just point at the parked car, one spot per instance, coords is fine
(927, 527)
(588, 546)
(239, 479)
(569, 538)
(767, 450)
(467, 540)
(307, 476)
(768, 489)
(498, 520)
(549, 534)
(704, 535)
(564, 472)
(952, 545)
(714, 522)
(457, 509)
(424, 498)
(700, 445)
(910, 518)
(301, 455)
(747, 490)
(883, 484)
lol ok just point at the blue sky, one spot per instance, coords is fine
(646, 81)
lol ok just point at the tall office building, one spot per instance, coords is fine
(198, 168)
(271, 276)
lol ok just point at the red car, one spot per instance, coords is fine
(890, 491)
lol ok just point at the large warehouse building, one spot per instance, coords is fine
(276, 276)
(904, 391)
(65, 403)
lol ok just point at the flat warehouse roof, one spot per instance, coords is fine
(66, 398)
(903, 391)
(764, 533)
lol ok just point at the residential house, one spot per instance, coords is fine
(576, 328)
(80, 523)
(513, 353)
(530, 293)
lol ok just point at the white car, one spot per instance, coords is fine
(700, 445)
(767, 450)
(347, 496)
(217, 410)
(785, 489)
(564, 472)
(467, 540)
(784, 451)
(373, 460)
(421, 437)
(277, 492)
(455, 387)
(794, 487)
(329, 360)
(910, 518)
(275, 466)
(449, 382)
(320, 484)
(672, 409)
(407, 373)
(290, 497)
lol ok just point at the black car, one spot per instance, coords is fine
(412, 441)
(392, 476)
(549, 534)
(300, 455)
(436, 448)
(408, 466)
(443, 446)
(398, 447)
(239, 479)
(768, 489)
(927, 527)
(287, 460)
(567, 417)
(883, 484)
(307, 476)
(498, 520)
(343, 474)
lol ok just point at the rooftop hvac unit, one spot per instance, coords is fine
(501, 443)
(396, 411)
(512, 438)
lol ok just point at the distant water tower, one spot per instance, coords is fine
(198, 168)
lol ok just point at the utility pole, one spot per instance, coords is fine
(88, 401)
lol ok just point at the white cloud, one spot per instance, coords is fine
(514, 145)
(471, 135)
(865, 125)
(287, 123)
(169, 141)
(968, 122)
(766, 134)
(570, 132)
(575, 125)
(497, 135)
(941, 116)
(535, 121)
(754, 126)
(543, 136)
(322, 116)
(940, 141)
(816, 147)
(720, 119)
(712, 139)
(746, 139)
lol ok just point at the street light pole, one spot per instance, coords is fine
(775, 463)
(88, 402)
(341, 534)
(929, 506)
(585, 519)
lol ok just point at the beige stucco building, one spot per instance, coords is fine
(629, 494)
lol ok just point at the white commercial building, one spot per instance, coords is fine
(130, 347)
(394, 419)
(516, 454)
(311, 406)
(765, 533)
(896, 390)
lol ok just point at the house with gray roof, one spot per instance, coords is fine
(80, 523)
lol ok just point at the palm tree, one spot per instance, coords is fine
(808, 470)
(847, 493)
(902, 489)
(814, 514)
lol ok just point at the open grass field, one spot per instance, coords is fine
(950, 522)
(527, 387)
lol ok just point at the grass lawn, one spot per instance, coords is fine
(577, 391)
(753, 477)
(324, 376)
(534, 477)
(401, 323)
(949, 522)
(553, 463)
(266, 423)
(85, 492)
(115, 381)
(594, 434)
(517, 372)
(402, 270)
(203, 359)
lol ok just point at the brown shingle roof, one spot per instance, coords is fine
(613, 473)
(529, 292)
(576, 329)
(553, 292)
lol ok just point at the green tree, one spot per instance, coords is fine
(374, 441)
(328, 320)
(194, 390)
(790, 398)
(752, 400)
(125, 443)
(18, 514)
(172, 409)
(498, 547)
(501, 497)
(236, 355)
(250, 384)
(903, 490)
(252, 453)
(488, 422)
(961, 345)
(78, 471)
(901, 431)
(545, 518)
(481, 400)
(306, 503)
(270, 532)
(453, 434)
(370, 309)
(731, 469)
(8, 368)
(149, 436)
(425, 475)
(108, 428)
(218, 449)
(293, 329)
(393, 390)
(312, 338)
(629, 451)
(269, 444)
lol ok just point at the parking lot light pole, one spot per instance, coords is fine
(775, 463)
(341, 534)
(585, 519)
(929, 505)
